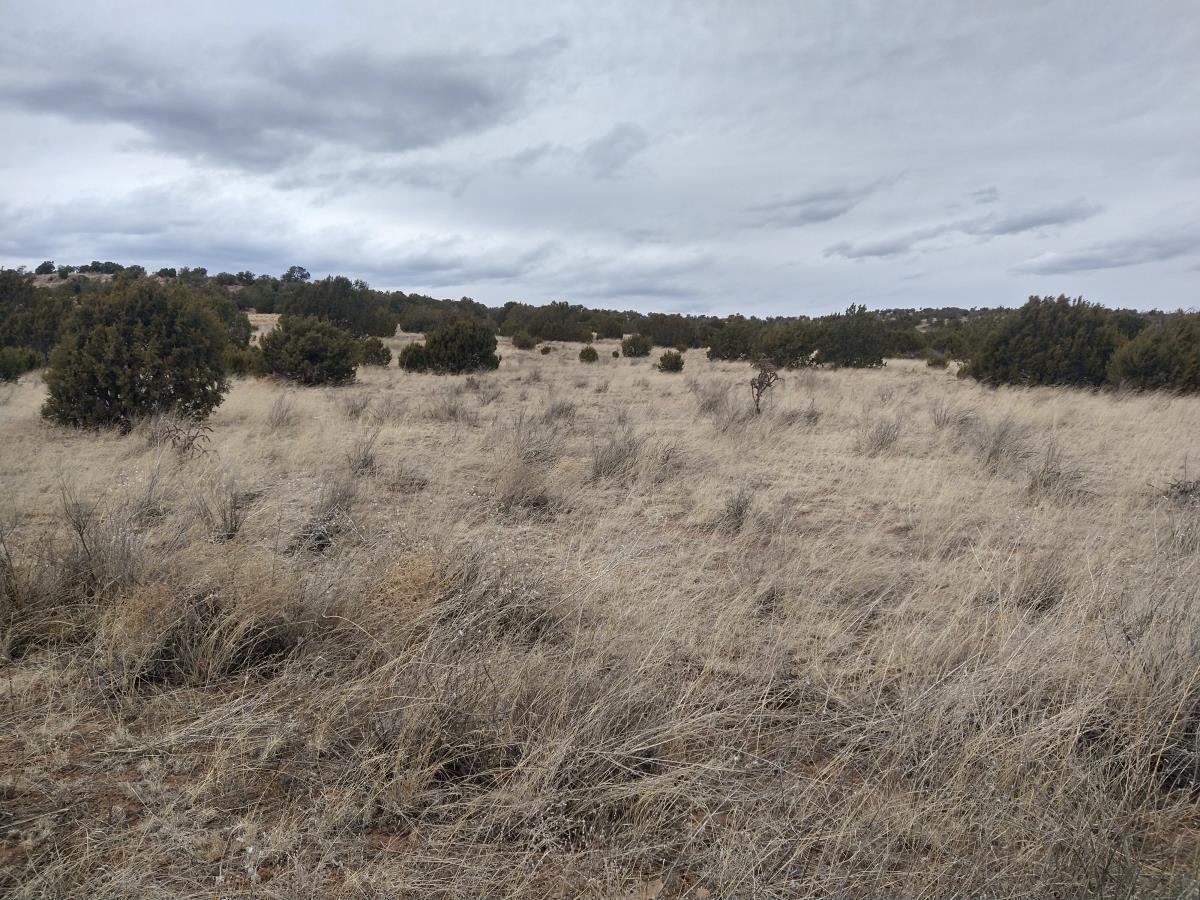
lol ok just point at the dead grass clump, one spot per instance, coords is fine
(360, 456)
(282, 411)
(615, 454)
(559, 411)
(1054, 477)
(387, 410)
(715, 401)
(807, 416)
(222, 508)
(402, 478)
(330, 515)
(878, 436)
(448, 406)
(1000, 442)
(353, 404)
(736, 510)
(945, 414)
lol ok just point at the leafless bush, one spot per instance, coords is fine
(602, 386)
(187, 437)
(762, 382)
(282, 411)
(875, 437)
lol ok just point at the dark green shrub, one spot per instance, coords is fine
(414, 358)
(547, 350)
(1049, 341)
(374, 352)
(1164, 356)
(734, 340)
(616, 354)
(462, 345)
(139, 349)
(671, 361)
(855, 339)
(46, 268)
(936, 360)
(636, 345)
(588, 354)
(16, 361)
(29, 316)
(243, 361)
(789, 345)
(523, 340)
(310, 351)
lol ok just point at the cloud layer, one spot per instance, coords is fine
(779, 158)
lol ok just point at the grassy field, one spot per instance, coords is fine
(598, 631)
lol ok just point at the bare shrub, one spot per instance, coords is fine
(878, 436)
(602, 387)
(387, 410)
(762, 382)
(187, 437)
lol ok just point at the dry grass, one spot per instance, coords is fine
(556, 633)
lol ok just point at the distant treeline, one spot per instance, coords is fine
(1047, 341)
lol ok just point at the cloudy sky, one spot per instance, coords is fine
(757, 157)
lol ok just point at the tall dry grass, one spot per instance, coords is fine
(567, 633)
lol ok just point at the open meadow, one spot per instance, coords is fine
(595, 630)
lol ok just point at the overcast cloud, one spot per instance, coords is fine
(764, 158)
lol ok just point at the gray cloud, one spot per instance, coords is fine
(605, 156)
(982, 228)
(1032, 219)
(1116, 254)
(512, 153)
(268, 106)
(811, 207)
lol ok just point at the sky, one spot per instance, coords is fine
(754, 157)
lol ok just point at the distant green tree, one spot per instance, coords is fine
(1049, 341)
(295, 275)
(671, 361)
(854, 339)
(373, 352)
(309, 351)
(735, 339)
(788, 345)
(588, 354)
(462, 345)
(1164, 356)
(636, 345)
(138, 349)
(523, 340)
(31, 317)
(414, 357)
(46, 268)
(16, 361)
